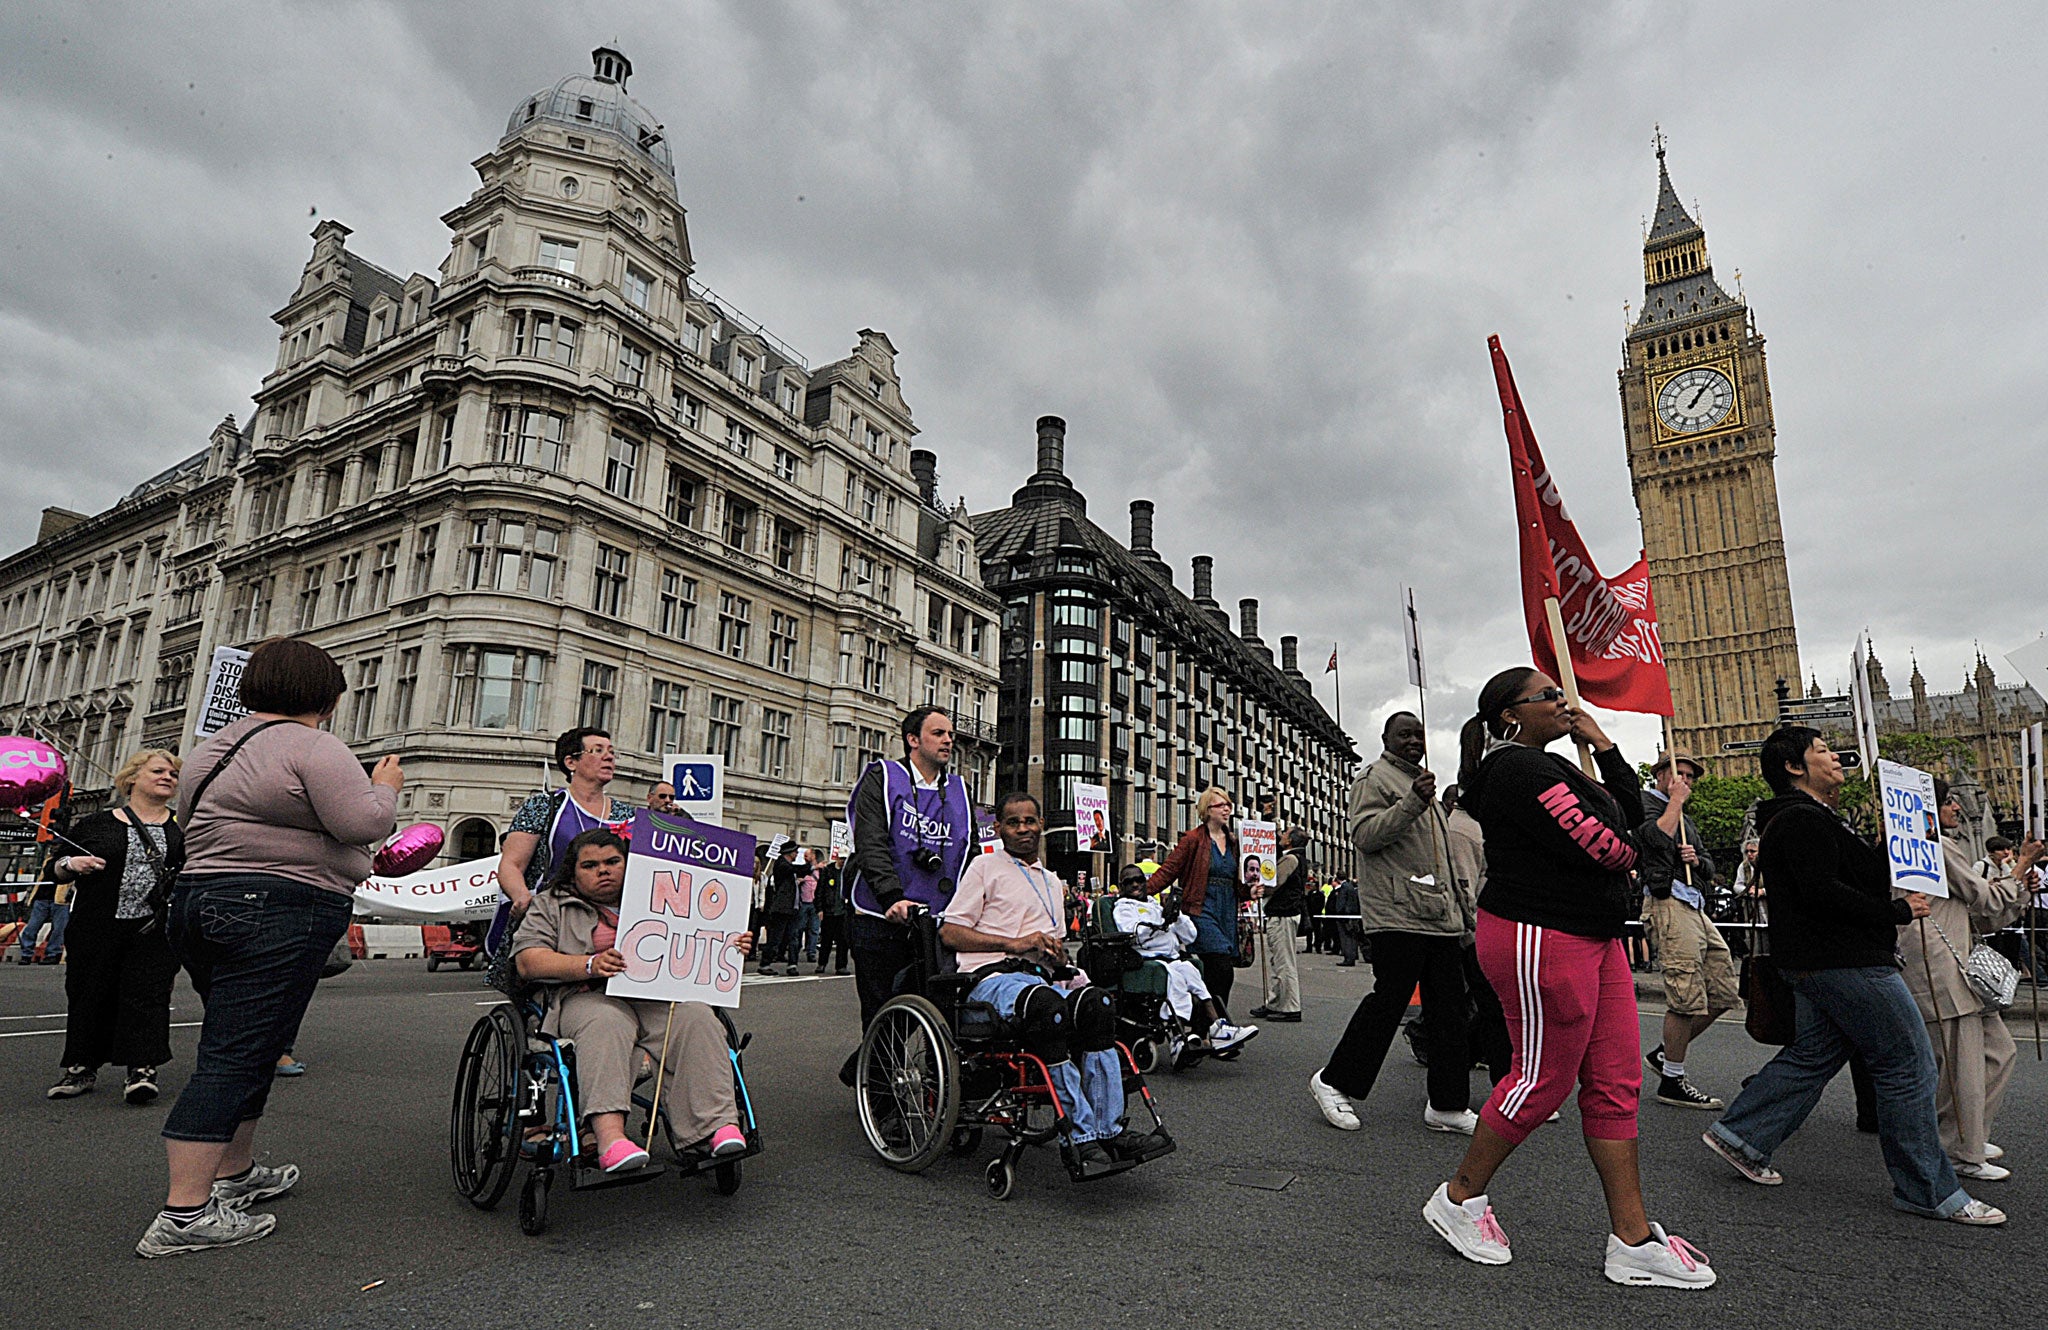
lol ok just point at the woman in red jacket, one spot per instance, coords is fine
(1204, 865)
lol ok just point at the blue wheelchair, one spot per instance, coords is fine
(516, 1100)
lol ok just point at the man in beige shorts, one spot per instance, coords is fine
(1699, 974)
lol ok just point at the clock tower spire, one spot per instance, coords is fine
(1702, 449)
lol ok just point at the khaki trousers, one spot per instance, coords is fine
(1974, 1054)
(1283, 974)
(697, 1094)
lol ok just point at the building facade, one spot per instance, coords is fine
(1702, 448)
(1112, 676)
(559, 483)
(1983, 718)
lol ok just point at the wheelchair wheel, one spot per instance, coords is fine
(1145, 1054)
(725, 1178)
(533, 1204)
(1001, 1178)
(483, 1121)
(908, 1084)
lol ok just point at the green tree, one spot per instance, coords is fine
(1720, 803)
(1941, 754)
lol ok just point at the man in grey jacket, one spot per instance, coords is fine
(1417, 918)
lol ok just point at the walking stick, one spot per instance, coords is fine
(2033, 963)
(660, 1075)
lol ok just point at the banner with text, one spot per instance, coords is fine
(1912, 828)
(222, 705)
(1091, 817)
(458, 893)
(688, 889)
(1259, 843)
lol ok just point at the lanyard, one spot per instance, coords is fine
(1041, 889)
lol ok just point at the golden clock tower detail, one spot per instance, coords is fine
(1696, 405)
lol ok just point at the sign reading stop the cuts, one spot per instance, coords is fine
(1912, 829)
(684, 906)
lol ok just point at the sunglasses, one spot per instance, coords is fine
(1546, 695)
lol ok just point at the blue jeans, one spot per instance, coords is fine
(40, 913)
(1868, 1011)
(254, 946)
(807, 929)
(1091, 1085)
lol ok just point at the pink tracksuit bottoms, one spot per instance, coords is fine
(1570, 1003)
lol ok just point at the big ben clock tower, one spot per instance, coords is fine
(1696, 406)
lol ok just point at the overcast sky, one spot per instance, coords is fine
(1251, 252)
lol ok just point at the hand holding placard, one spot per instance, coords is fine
(683, 912)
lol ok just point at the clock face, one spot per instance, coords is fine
(1696, 399)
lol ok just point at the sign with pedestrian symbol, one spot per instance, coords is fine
(699, 780)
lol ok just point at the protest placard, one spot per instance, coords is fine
(699, 781)
(222, 705)
(985, 830)
(1091, 817)
(687, 892)
(458, 893)
(842, 839)
(1912, 829)
(1258, 844)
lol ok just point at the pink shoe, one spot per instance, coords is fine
(622, 1155)
(728, 1140)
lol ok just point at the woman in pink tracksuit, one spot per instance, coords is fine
(1556, 905)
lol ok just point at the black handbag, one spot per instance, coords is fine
(1771, 1015)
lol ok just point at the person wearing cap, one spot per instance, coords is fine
(1699, 973)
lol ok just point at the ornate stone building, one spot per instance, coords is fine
(559, 483)
(1702, 444)
(1111, 675)
(1984, 715)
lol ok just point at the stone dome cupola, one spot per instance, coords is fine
(597, 104)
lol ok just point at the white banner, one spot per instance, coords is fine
(458, 893)
(222, 704)
(1912, 829)
(1091, 818)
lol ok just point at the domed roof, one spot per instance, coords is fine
(597, 103)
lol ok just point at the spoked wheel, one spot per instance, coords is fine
(533, 1204)
(1001, 1178)
(908, 1084)
(1145, 1054)
(725, 1178)
(483, 1123)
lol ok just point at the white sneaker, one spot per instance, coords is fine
(1224, 1035)
(1976, 1212)
(1337, 1110)
(1983, 1172)
(1468, 1226)
(1461, 1120)
(1993, 1152)
(1662, 1262)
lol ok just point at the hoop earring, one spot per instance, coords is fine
(1513, 728)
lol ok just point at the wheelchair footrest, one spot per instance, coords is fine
(584, 1177)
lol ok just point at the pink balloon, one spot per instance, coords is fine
(409, 851)
(30, 772)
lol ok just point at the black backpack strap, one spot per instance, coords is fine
(226, 758)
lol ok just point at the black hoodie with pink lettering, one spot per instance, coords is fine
(1559, 846)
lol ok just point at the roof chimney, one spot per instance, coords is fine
(1049, 484)
(1248, 620)
(1141, 526)
(1290, 654)
(924, 468)
(1205, 577)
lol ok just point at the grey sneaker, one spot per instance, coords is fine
(76, 1081)
(219, 1226)
(1976, 1212)
(260, 1184)
(1763, 1175)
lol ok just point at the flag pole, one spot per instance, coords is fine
(1338, 670)
(1565, 678)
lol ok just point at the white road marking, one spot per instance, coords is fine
(30, 1034)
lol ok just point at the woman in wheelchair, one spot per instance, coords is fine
(1161, 932)
(567, 943)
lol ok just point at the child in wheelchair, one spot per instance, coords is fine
(1161, 933)
(567, 945)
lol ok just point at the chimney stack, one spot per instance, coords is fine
(1290, 654)
(1141, 526)
(924, 468)
(1052, 447)
(1248, 619)
(1205, 576)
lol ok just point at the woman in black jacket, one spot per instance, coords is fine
(1558, 897)
(118, 982)
(1834, 932)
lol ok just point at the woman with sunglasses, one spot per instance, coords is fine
(1556, 905)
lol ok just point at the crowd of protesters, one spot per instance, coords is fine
(1507, 903)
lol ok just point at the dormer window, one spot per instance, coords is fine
(743, 368)
(531, 107)
(583, 108)
(875, 386)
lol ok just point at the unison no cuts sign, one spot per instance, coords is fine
(1912, 829)
(688, 888)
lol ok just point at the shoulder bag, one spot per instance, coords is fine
(1989, 975)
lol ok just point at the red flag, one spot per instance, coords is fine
(1331, 667)
(1610, 623)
